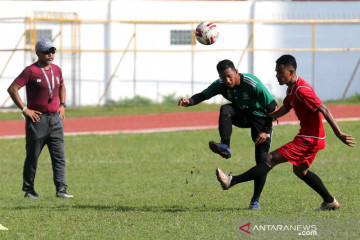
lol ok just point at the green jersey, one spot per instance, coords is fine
(251, 95)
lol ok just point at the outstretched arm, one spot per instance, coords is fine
(196, 99)
(279, 112)
(345, 138)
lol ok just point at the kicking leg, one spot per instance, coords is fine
(272, 159)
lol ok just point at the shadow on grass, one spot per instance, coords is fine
(164, 209)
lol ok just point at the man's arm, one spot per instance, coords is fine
(271, 107)
(196, 99)
(13, 91)
(279, 112)
(345, 138)
(62, 98)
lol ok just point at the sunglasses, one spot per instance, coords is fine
(50, 50)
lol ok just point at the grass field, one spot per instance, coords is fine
(163, 186)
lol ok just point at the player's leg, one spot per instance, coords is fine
(261, 152)
(35, 141)
(230, 115)
(56, 144)
(227, 112)
(314, 181)
(272, 159)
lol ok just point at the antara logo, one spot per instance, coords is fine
(242, 228)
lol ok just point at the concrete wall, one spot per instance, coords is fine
(161, 73)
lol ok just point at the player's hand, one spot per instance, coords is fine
(183, 102)
(261, 138)
(62, 112)
(347, 139)
(34, 115)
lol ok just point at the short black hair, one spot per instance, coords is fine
(287, 61)
(224, 64)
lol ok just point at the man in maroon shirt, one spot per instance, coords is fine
(44, 114)
(302, 150)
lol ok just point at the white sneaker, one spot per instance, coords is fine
(63, 194)
(224, 179)
(329, 206)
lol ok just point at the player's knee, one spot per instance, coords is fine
(299, 172)
(270, 160)
(225, 109)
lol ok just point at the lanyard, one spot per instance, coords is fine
(51, 88)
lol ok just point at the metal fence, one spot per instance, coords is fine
(104, 60)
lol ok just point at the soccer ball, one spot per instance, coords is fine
(207, 33)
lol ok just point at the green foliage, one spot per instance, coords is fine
(138, 101)
(354, 99)
(170, 99)
(163, 186)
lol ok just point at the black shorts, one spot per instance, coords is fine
(244, 119)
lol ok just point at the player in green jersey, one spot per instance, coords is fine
(250, 102)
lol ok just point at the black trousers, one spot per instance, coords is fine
(231, 114)
(49, 130)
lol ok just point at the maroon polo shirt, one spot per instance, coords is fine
(37, 90)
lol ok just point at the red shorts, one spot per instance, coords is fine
(302, 150)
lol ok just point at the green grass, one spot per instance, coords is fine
(163, 186)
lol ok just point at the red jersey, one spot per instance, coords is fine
(301, 96)
(37, 89)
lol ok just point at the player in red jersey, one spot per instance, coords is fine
(311, 138)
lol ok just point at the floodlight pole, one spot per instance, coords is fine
(107, 58)
(192, 58)
(252, 62)
(313, 55)
(134, 74)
